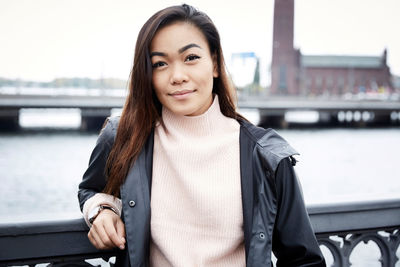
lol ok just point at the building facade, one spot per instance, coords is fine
(295, 74)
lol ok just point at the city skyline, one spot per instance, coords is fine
(43, 40)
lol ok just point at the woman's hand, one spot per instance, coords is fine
(108, 231)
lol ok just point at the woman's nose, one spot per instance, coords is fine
(178, 74)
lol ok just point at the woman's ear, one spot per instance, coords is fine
(215, 66)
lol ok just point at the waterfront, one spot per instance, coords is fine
(40, 171)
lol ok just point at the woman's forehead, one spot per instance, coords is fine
(176, 36)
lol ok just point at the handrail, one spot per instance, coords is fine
(47, 241)
(60, 242)
(355, 216)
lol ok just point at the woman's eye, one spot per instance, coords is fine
(191, 57)
(158, 64)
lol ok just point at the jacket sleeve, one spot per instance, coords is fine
(94, 179)
(294, 241)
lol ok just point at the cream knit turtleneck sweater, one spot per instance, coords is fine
(196, 204)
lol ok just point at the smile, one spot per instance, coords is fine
(181, 93)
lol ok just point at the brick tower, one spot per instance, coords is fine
(285, 59)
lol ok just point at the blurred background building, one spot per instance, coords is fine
(293, 73)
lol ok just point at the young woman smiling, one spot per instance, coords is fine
(182, 179)
(183, 69)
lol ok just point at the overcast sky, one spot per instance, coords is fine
(45, 39)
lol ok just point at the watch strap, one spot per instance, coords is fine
(101, 208)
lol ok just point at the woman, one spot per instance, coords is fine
(181, 179)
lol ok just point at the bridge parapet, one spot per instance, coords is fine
(271, 110)
(338, 227)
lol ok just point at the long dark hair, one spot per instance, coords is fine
(142, 109)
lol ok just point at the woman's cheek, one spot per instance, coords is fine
(159, 82)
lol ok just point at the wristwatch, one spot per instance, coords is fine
(95, 212)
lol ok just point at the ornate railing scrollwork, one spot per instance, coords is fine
(342, 227)
(335, 248)
(341, 251)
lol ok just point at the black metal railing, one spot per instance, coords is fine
(339, 228)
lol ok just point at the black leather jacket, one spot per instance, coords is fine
(274, 214)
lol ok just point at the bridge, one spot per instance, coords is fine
(339, 228)
(332, 111)
(95, 108)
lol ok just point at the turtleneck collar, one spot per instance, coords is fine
(209, 123)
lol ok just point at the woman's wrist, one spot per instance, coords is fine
(95, 212)
(92, 206)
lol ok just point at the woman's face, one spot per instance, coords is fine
(183, 69)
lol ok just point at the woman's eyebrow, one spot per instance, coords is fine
(186, 47)
(181, 50)
(161, 54)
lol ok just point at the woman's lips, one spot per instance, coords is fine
(181, 94)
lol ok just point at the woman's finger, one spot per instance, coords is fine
(112, 234)
(95, 239)
(92, 240)
(100, 236)
(111, 224)
(101, 232)
(121, 230)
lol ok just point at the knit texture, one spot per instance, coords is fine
(196, 203)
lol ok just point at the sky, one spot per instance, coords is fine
(44, 39)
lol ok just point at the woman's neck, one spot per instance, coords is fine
(209, 123)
